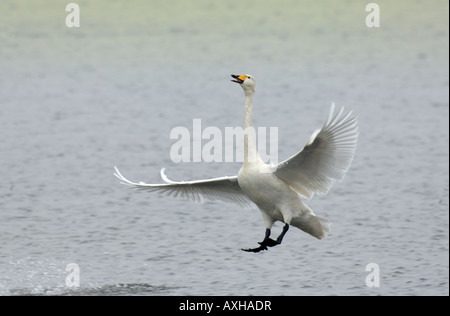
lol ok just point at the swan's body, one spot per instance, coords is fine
(275, 189)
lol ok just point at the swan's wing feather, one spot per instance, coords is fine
(325, 158)
(224, 188)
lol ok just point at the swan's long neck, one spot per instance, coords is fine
(250, 151)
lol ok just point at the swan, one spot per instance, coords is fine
(277, 189)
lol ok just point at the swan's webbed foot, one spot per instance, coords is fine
(255, 249)
(269, 242)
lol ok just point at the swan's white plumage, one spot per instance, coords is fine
(224, 188)
(326, 157)
(275, 189)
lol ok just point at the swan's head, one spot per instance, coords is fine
(247, 82)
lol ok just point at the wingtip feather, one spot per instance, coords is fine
(164, 177)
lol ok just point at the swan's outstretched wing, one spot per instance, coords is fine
(325, 158)
(225, 188)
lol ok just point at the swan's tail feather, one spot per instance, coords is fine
(325, 227)
(314, 225)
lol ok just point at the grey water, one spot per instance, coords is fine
(74, 103)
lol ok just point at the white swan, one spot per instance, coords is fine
(276, 189)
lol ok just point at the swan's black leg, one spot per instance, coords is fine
(269, 242)
(280, 238)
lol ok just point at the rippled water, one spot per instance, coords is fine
(74, 103)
